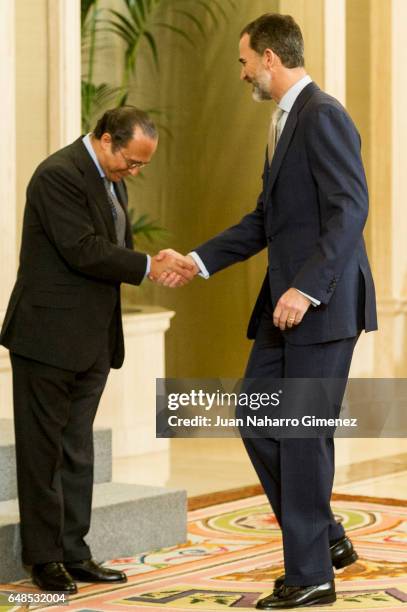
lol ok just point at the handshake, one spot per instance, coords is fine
(171, 269)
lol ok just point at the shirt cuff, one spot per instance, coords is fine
(314, 301)
(148, 266)
(202, 269)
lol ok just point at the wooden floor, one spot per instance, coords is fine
(365, 466)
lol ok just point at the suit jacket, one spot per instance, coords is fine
(66, 301)
(310, 216)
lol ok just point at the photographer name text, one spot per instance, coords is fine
(255, 421)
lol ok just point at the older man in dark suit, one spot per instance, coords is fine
(317, 295)
(64, 330)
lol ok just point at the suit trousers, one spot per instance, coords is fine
(297, 473)
(54, 410)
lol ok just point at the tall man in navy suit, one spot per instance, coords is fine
(317, 295)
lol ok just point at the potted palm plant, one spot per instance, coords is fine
(136, 24)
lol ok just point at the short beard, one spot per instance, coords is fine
(261, 87)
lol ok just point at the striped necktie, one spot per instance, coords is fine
(118, 214)
(273, 133)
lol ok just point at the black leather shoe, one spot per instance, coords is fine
(53, 577)
(90, 571)
(342, 554)
(298, 597)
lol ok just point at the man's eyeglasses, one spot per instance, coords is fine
(133, 164)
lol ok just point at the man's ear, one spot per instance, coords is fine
(269, 58)
(105, 140)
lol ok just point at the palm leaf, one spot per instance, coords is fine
(86, 42)
(192, 18)
(220, 8)
(132, 25)
(86, 5)
(126, 23)
(206, 6)
(136, 6)
(95, 99)
(90, 23)
(122, 32)
(178, 31)
(125, 29)
(122, 101)
(153, 47)
(144, 226)
(131, 28)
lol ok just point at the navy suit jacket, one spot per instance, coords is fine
(310, 216)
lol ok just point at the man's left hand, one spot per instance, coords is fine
(290, 309)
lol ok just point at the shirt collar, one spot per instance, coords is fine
(287, 101)
(86, 141)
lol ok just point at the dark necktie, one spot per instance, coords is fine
(118, 215)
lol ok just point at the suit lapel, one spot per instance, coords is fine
(282, 146)
(96, 189)
(288, 132)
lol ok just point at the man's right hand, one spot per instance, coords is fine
(172, 269)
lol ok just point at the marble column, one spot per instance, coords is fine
(7, 152)
(377, 60)
(55, 30)
(64, 64)
(399, 150)
(398, 85)
(8, 216)
(335, 49)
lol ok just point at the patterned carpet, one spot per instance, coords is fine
(234, 553)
